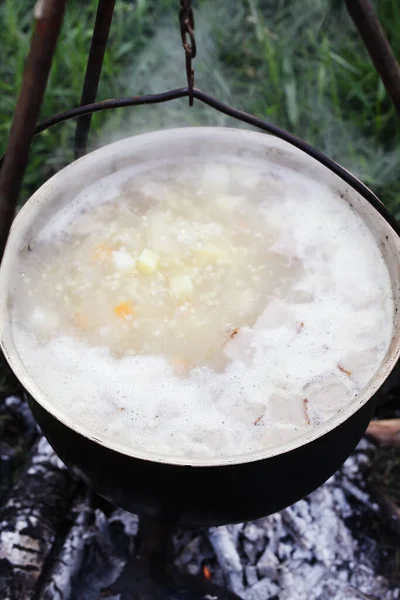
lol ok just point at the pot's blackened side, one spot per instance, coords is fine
(205, 495)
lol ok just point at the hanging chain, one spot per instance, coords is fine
(186, 20)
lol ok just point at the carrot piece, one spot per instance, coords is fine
(343, 370)
(124, 310)
(180, 366)
(101, 252)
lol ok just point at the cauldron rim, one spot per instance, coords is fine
(43, 196)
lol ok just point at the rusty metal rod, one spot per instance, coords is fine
(378, 47)
(105, 10)
(49, 16)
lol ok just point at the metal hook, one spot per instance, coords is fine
(186, 20)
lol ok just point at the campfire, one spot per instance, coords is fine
(59, 541)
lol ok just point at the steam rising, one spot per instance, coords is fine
(281, 61)
(161, 67)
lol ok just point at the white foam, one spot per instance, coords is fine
(321, 343)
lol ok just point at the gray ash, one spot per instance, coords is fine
(59, 542)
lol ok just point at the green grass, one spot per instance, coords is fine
(298, 64)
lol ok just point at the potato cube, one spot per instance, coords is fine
(211, 254)
(148, 262)
(181, 286)
(123, 261)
